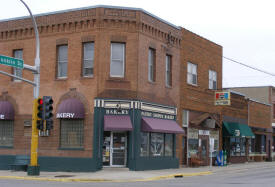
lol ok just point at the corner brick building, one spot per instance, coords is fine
(94, 63)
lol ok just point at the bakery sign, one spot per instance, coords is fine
(222, 98)
(2, 116)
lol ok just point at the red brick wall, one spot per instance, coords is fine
(102, 25)
(259, 115)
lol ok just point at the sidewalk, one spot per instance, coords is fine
(124, 175)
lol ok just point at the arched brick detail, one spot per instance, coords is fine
(6, 97)
(77, 95)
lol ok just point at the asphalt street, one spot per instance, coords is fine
(260, 177)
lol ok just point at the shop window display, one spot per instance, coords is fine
(144, 146)
(193, 147)
(157, 144)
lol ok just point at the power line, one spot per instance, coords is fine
(251, 67)
(230, 59)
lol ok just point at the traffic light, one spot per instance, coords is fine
(39, 121)
(47, 111)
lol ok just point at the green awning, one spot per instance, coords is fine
(237, 130)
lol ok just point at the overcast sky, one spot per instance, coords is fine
(244, 28)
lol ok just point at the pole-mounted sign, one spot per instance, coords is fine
(9, 61)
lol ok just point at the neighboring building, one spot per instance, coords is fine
(236, 132)
(113, 73)
(266, 96)
(201, 76)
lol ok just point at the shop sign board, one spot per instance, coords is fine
(9, 61)
(222, 98)
(204, 132)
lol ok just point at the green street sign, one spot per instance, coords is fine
(9, 61)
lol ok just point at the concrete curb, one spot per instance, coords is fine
(106, 180)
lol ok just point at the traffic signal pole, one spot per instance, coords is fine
(33, 168)
(34, 143)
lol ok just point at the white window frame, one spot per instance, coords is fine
(192, 72)
(90, 60)
(212, 80)
(185, 118)
(151, 64)
(118, 60)
(168, 71)
(17, 71)
(59, 62)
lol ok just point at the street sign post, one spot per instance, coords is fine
(9, 61)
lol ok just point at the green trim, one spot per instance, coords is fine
(6, 147)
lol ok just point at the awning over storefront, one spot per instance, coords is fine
(71, 109)
(160, 125)
(6, 111)
(117, 123)
(237, 130)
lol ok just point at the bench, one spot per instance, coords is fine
(195, 161)
(21, 163)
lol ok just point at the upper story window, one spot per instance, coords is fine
(168, 75)
(212, 79)
(88, 59)
(62, 61)
(192, 73)
(117, 64)
(17, 71)
(152, 65)
(274, 111)
(185, 118)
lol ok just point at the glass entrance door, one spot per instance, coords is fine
(114, 149)
(118, 149)
(204, 152)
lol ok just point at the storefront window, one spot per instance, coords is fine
(237, 146)
(71, 133)
(156, 144)
(6, 133)
(216, 148)
(251, 143)
(242, 143)
(144, 147)
(168, 145)
(193, 147)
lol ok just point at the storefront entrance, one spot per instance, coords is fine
(204, 149)
(114, 149)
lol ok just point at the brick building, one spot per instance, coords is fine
(201, 76)
(113, 75)
(263, 118)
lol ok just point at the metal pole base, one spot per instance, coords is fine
(34, 170)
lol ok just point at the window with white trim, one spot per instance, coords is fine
(152, 65)
(71, 133)
(212, 80)
(185, 118)
(168, 75)
(191, 73)
(117, 64)
(62, 61)
(88, 59)
(18, 71)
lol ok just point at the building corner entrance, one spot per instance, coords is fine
(114, 149)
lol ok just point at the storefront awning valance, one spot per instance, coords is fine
(237, 130)
(160, 125)
(117, 123)
(6, 111)
(71, 109)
